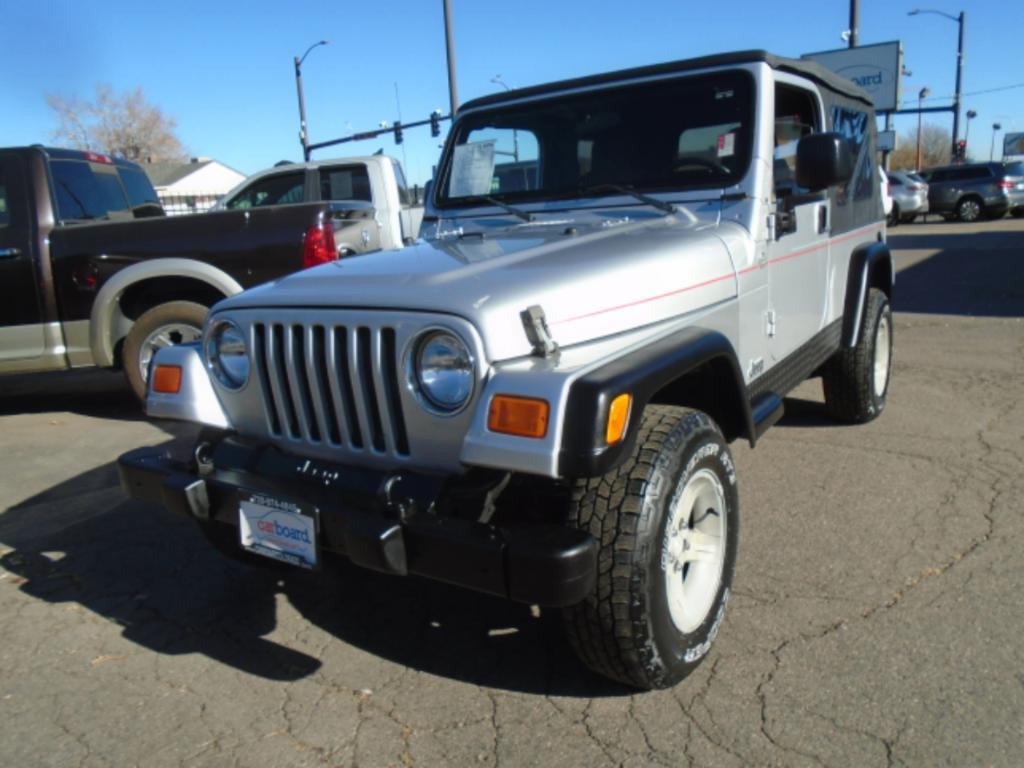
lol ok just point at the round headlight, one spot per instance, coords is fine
(226, 354)
(444, 370)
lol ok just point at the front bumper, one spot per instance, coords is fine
(394, 532)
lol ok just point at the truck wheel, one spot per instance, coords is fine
(856, 380)
(175, 322)
(667, 526)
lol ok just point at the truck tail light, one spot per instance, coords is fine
(319, 245)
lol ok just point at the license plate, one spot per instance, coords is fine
(278, 529)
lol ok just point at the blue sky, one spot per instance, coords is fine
(224, 69)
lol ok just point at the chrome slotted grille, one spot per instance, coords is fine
(331, 385)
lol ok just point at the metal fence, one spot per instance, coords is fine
(179, 205)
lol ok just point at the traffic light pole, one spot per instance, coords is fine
(434, 121)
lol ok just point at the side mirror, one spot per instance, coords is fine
(823, 160)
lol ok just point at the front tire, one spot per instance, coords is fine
(856, 380)
(667, 526)
(175, 322)
(969, 210)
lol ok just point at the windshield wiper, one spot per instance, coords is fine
(518, 212)
(654, 202)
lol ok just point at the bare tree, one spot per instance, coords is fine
(935, 146)
(123, 125)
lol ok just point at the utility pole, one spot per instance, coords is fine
(921, 96)
(854, 23)
(961, 21)
(449, 40)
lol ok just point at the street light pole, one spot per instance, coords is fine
(921, 96)
(497, 80)
(854, 23)
(961, 20)
(992, 146)
(303, 136)
(971, 114)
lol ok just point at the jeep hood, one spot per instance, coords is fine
(592, 278)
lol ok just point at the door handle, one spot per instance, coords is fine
(9, 253)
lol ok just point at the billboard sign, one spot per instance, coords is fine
(1013, 144)
(875, 68)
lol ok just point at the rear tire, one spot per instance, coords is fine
(667, 526)
(894, 215)
(175, 322)
(856, 380)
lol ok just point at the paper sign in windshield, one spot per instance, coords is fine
(727, 145)
(472, 169)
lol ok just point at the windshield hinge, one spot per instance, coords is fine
(536, 326)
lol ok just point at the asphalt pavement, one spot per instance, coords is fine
(877, 617)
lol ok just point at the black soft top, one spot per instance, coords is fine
(805, 68)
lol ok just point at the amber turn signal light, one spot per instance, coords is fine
(618, 416)
(522, 416)
(167, 379)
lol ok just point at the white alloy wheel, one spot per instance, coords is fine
(694, 550)
(883, 356)
(164, 336)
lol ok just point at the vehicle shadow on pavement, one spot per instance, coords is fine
(100, 394)
(155, 575)
(977, 274)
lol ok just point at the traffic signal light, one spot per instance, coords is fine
(435, 123)
(398, 132)
(961, 149)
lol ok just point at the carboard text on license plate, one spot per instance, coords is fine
(278, 529)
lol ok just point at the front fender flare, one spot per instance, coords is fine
(643, 373)
(106, 309)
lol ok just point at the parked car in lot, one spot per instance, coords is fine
(886, 193)
(93, 274)
(1015, 171)
(377, 179)
(535, 400)
(970, 191)
(909, 195)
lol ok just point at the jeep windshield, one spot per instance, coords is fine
(657, 136)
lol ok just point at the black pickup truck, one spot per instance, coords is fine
(92, 273)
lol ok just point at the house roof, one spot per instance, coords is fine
(165, 174)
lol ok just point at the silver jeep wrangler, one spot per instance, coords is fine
(618, 276)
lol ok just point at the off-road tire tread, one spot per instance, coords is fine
(607, 630)
(847, 378)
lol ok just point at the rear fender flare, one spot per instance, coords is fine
(870, 267)
(106, 320)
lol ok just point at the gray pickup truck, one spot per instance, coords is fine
(620, 275)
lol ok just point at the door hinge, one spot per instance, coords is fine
(769, 323)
